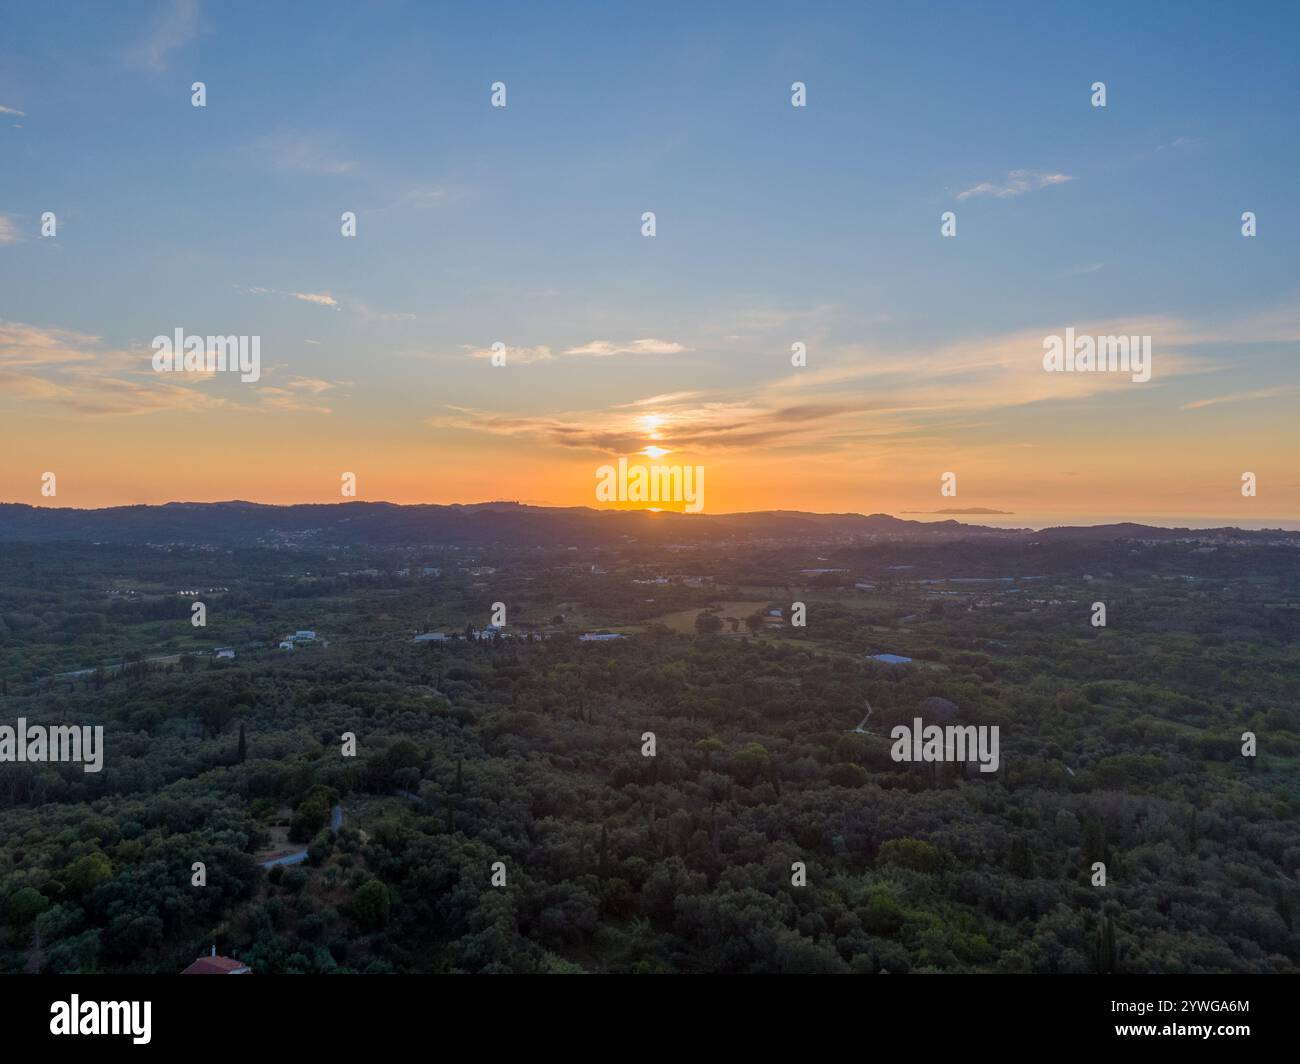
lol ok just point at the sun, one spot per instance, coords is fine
(651, 423)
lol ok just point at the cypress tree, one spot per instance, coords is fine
(1106, 952)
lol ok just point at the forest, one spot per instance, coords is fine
(496, 809)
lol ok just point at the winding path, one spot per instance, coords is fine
(298, 856)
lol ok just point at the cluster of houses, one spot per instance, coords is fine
(686, 581)
(492, 631)
(496, 631)
(298, 638)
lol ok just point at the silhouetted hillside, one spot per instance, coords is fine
(507, 524)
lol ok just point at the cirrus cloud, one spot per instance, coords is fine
(649, 346)
(591, 349)
(1016, 183)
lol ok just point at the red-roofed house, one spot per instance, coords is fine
(215, 965)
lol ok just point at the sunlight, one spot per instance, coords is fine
(651, 423)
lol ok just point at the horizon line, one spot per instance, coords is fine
(1227, 522)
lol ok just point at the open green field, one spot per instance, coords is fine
(684, 620)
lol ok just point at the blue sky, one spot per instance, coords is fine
(775, 224)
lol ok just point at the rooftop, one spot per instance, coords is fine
(218, 966)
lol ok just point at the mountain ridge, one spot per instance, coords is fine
(504, 522)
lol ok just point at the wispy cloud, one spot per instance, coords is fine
(299, 153)
(8, 234)
(604, 348)
(10, 111)
(321, 299)
(422, 197)
(175, 26)
(745, 323)
(657, 400)
(591, 349)
(367, 313)
(1240, 397)
(80, 374)
(515, 355)
(31, 346)
(1016, 183)
(859, 398)
(305, 394)
(693, 427)
(75, 371)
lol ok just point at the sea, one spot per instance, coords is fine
(1037, 520)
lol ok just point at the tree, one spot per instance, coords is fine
(708, 623)
(312, 813)
(25, 905)
(916, 854)
(243, 743)
(86, 873)
(371, 904)
(751, 763)
(709, 747)
(1106, 951)
(882, 915)
(1094, 839)
(1022, 861)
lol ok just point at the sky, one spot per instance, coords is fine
(775, 225)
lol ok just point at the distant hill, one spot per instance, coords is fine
(964, 510)
(511, 524)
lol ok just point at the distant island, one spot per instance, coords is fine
(966, 510)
